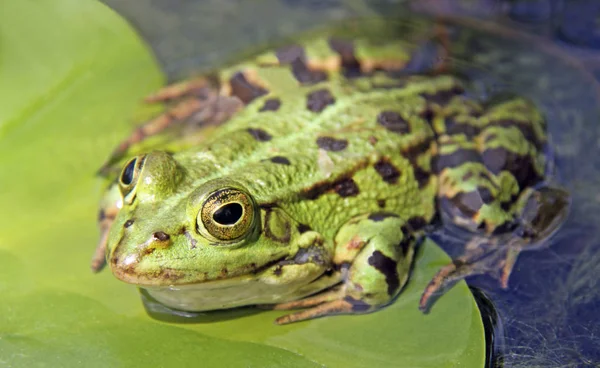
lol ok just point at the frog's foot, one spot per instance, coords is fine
(320, 298)
(325, 303)
(322, 304)
(543, 211)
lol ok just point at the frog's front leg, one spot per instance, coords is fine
(374, 254)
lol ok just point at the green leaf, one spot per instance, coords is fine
(72, 74)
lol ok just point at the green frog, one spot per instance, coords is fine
(305, 176)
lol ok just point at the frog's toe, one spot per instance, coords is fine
(173, 91)
(339, 306)
(311, 301)
(482, 256)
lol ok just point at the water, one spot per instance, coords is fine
(544, 49)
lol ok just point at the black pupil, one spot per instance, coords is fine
(127, 176)
(228, 214)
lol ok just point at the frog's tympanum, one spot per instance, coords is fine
(305, 176)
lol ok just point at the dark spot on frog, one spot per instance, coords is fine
(316, 190)
(279, 160)
(306, 75)
(161, 236)
(414, 224)
(243, 89)
(393, 122)
(278, 270)
(428, 114)
(380, 216)
(467, 203)
(272, 104)
(521, 167)
(455, 159)
(381, 203)
(412, 154)
(421, 176)
(388, 267)
(101, 215)
(388, 172)
(302, 228)
(332, 144)
(453, 127)
(287, 54)
(346, 188)
(373, 140)
(405, 244)
(295, 56)
(357, 305)
(318, 100)
(128, 223)
(259, 134)
(442, 97)
(349, 63)
(485, 194)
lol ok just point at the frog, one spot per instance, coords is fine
(306, 176)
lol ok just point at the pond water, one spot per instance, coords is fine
(546, 50)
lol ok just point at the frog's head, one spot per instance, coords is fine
(173, 229)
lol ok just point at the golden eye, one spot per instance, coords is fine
(128, 178)
(227, 214)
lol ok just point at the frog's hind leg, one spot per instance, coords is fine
(374, 254)
(492, 184)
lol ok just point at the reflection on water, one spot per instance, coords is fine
(545, 50)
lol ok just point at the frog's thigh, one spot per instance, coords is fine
(375, 257)
(497, 192)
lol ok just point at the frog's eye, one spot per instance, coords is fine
(128, 178)
(227, 214)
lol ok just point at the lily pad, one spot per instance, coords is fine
(72, 76)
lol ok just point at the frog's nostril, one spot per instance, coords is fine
(161, 236)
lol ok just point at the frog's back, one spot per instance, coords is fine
(332, 128)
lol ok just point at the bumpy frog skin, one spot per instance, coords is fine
(305, 176)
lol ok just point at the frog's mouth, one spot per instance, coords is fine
(267, 284)
(130, 269)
